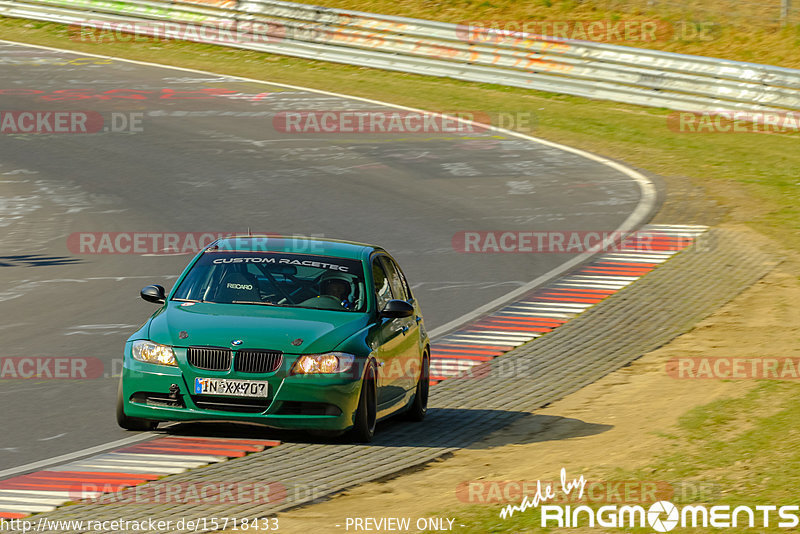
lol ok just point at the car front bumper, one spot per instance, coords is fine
(322, 402)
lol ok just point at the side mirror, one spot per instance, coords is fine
(154, 293)
(396, 309)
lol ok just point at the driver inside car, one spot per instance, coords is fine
(334, 292)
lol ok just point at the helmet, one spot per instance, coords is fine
(334, 276)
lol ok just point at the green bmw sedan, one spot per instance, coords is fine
(292, 333)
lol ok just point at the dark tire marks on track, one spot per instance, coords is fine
(215, 163)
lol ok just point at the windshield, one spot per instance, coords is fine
(275, 279)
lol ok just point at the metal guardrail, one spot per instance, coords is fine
(582, 68)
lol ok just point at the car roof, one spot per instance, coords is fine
(296, 245)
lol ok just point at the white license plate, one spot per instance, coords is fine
(231, 388)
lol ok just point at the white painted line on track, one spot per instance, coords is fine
(20, 500)
(456, 365)
(607, 283)
(28, 509)
(450, 341)
(562, 306)
(524, 306)
(48, 493)
(608, 278)
(94, 469)
(519, 341)
(474, 338)
(7, 495)
(644, 208)
(676, 227)
(635, 256)
(589, 285)
(531, 306)
(176, 457)
(534, 313)
(156, 470)
(77, 454)
(6, 503)
(667, 253)
(500, 334)
(603, 283)
(123, 462)
(647, 259)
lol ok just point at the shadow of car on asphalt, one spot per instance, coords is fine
(444, 428)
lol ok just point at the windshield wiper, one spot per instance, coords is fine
(188, 300)
(255, 302)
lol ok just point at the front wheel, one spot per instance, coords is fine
(131, 423)
(419, 406)
(367, 412)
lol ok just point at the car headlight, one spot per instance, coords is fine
(149, 352)
(330, 362)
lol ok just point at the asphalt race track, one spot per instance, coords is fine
(206, 157)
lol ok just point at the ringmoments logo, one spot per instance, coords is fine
(661, 516)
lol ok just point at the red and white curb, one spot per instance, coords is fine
(548, 308)
(44, 491)
(513, 325)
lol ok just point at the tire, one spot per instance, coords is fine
(367, 412)
(131, 423)
(419, 406)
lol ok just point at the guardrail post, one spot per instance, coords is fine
(786, 8)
